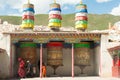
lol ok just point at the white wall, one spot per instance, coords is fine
(5, 57)
(106, 59)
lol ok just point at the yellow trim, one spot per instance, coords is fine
(83, 26)
(54, 24)
(27, 26)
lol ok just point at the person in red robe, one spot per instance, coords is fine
(21, 68)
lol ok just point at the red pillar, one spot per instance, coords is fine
(116, 67)
(40, 60)
(72, 60)
(116, 71)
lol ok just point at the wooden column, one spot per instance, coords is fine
(41, 60)
(72, 60)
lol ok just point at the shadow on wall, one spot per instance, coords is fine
(4, 64)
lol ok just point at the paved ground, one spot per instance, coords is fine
(69, 78)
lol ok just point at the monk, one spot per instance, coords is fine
(43, 70)
(21, 68)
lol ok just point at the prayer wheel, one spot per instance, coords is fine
(54, 54)
(55, 16)
(28, 51)
(81, 19)
(82, 55)
(28, 16)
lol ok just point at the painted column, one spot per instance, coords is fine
(72, 60)
(41, 60)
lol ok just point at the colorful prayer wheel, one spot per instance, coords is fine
(28, 16)
(82, 53)
(55, 16)
(28, 51)
(81, 17)
(54, 53)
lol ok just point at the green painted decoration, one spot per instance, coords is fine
(27, 44)
(82, 45)
(28, 21)
(81, 22)
(55, 20)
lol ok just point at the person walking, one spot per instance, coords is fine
(21, 68)
(29, 72)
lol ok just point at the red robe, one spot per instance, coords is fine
(21, 69)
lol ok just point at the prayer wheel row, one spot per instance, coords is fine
(28, 16)
(28, 51)
(82, 53)
(55, 16)
(81, 19)
(54, 54)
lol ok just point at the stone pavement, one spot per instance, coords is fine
(70, 78)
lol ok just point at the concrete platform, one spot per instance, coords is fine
(69, 78)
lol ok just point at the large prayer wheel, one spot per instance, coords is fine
(55, 17)
(54, 54)
(28, 16)
(82, 55)
(28, 51)
(81, 19)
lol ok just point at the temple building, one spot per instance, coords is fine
(33, 45)
(65, 52)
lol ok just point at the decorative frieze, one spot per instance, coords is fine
(46, 37)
